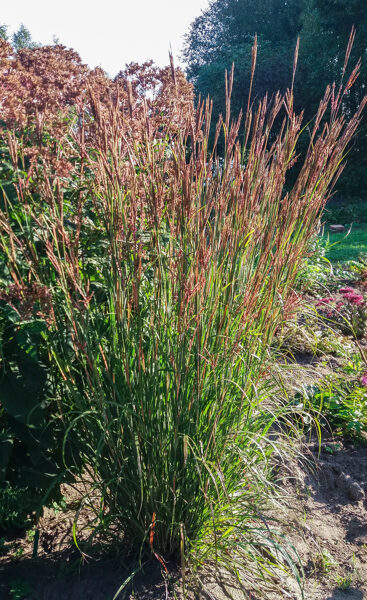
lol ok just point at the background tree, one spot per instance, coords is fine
(3, 32)
(326, 26)
(225, 31)
(23, 39)
(224, 34)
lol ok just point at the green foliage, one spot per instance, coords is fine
(16, 506)
(30, 455)
(316, 270)
(347, 246)
(23, 39)
(19, 589)
(324, 563)
(341, 400)
(225, 27)
(343, 581)
(346, 213)
(224, 34)
(225, 31)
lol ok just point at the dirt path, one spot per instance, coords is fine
(329, 522)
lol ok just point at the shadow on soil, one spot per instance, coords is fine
(349, 594)
(64, 578)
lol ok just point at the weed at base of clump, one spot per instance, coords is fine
(343, 581)
(16, 506)
(324, 563)
(19, 589)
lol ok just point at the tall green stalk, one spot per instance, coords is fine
(170, 271)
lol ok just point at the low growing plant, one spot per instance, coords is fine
(341, 400)
(346, 311)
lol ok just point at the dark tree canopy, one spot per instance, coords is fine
(225, 31)
(230, 24)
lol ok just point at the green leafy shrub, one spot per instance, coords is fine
(30, 455)
(341, 399)
(345, 408)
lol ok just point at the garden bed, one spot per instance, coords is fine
(327, 525)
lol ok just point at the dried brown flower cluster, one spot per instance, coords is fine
(54, 110)
(135, 150)
(42, 87)
(24, 298)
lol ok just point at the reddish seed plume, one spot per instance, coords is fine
(253, 66)
(125, 142)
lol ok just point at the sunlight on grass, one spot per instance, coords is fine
(347, 247)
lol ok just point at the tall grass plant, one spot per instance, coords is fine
(170, 270)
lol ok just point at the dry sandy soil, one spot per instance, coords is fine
(329, 522)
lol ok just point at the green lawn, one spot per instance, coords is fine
(347, 247)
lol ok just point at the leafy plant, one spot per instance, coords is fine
(30, 455)
(19, 589)
(316, 270)
(16, 506)
(343, 581)
(31, 534)
(324, 562)
(59, 505)
(18, 553)
(342, 403)
(347, 311)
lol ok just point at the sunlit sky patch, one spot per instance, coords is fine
(108, 33)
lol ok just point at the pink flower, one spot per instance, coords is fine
(358, 300)
(364, 379)
(354, 298)
(325, 301)
(346, 290)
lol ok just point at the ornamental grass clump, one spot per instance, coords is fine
(170, 269)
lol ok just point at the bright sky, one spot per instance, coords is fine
(108, 33)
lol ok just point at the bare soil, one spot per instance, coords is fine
(328, 521)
